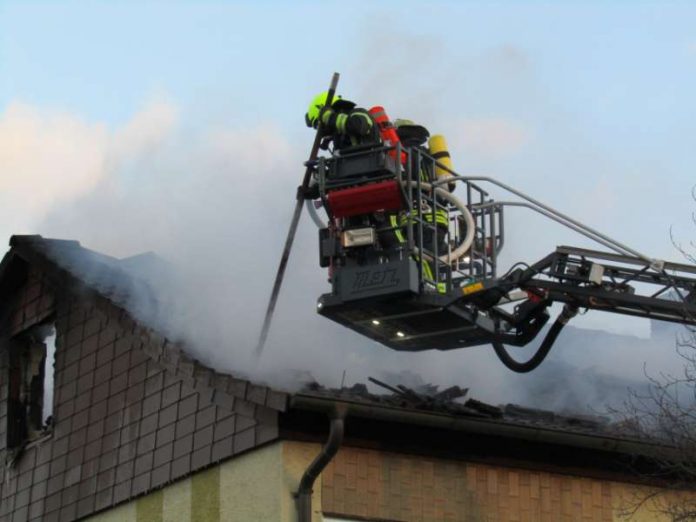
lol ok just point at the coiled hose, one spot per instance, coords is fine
(566, 315)
(463, 248)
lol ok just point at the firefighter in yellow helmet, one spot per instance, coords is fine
(416, 136)
(343, 122)
(413, 135)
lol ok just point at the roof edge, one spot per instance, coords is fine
(23, 239)
(482, 426)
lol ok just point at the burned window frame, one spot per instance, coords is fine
(26, 380)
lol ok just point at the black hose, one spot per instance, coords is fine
(527, 366)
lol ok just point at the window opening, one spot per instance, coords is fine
(30, 384)
(49, 372)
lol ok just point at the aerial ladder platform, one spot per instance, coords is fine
(413, 260)
(386, 294)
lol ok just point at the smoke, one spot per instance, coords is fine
(491, 137)
(215, 202)
(46, 159)
(144, 132)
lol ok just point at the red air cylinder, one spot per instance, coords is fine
(386, 130)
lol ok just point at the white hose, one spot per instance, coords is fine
(314, 214)
(464, 246)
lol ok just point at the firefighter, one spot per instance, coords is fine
(347, 126)
(344, 123)
(414, 137)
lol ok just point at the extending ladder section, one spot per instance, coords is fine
(437, 285)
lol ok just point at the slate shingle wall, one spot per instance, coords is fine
(132, 413)
(32, 303)
(3, 403)
(21, 485)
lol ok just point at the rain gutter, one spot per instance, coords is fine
(475, 425)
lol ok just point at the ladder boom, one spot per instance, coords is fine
(415, 267)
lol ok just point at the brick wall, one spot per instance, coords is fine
(131, 412)
(397, 487)
(32, 303)
(392, 486)
(3, 418)
(3, 407)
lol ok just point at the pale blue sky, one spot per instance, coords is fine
(597, 97)
(618, 73)
(599, 61)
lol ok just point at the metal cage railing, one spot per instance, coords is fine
(427, 239)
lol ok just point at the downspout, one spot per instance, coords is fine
(304, 492)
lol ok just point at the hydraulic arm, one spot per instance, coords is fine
(412, 252)
(437, 287)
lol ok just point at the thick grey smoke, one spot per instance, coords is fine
(215, 204)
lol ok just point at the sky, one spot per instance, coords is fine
(177, 127)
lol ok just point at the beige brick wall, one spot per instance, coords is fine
(258, 486)
(398, 487)
(371, 485)
(393, 486)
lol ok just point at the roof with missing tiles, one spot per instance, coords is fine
(117, 281)
(455, 402)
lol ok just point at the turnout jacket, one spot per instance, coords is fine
(349, 128)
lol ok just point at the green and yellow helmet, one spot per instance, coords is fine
(316, 106)
(410, 133)
(400, 122)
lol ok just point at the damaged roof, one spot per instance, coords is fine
(453, 402)
(119, 280)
